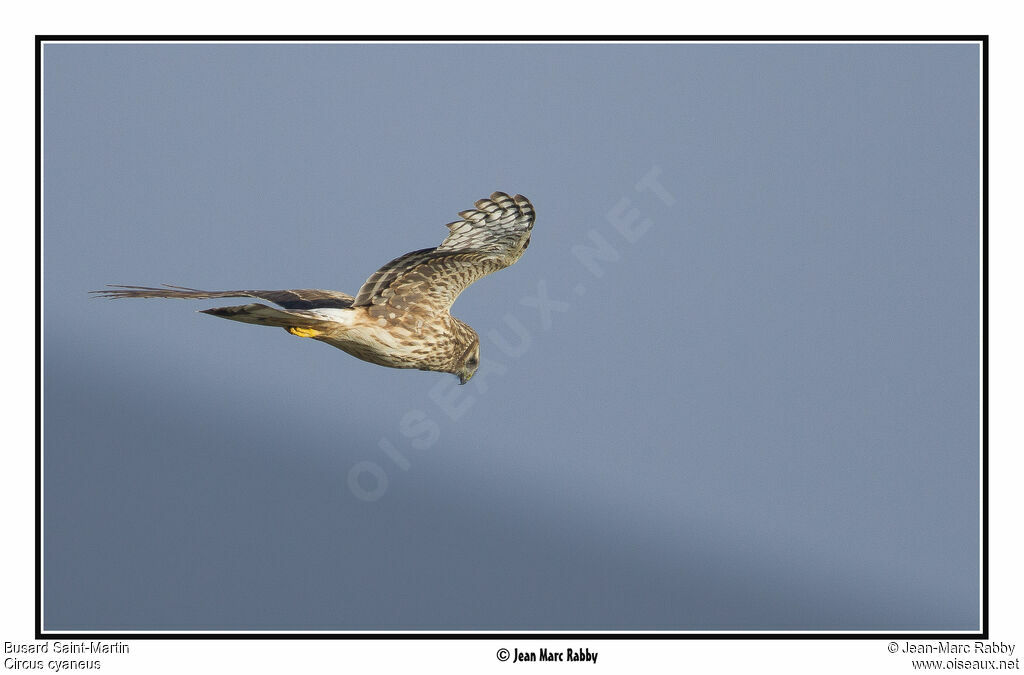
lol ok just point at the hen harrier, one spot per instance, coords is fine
(400, 317)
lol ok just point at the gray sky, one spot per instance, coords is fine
(757, 410)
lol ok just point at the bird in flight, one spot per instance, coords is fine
(400, 317)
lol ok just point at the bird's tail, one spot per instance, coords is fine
(263, 315)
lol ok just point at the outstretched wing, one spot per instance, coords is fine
(301, 298)
(488, 238)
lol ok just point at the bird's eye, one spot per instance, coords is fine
(472, 361)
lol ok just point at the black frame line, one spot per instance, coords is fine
(496, 635)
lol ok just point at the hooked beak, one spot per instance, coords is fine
(463, 378)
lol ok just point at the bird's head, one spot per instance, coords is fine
(466, 365)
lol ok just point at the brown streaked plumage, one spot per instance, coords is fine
(400, 317)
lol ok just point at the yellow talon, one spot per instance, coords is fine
(303, 332)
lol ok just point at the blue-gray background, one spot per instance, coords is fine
(762, 415)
